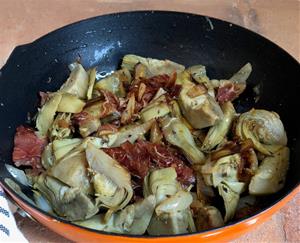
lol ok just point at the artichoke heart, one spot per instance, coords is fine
(92, 79)
(134, 219)
(219, 131)
(154, 66)
(179, 135)
(72, 170)
(46, 114)
(70, 104)
(271, 173)
(115, 82)
(111, 181)
(264, 128)
(157, 108)
(201, 111)
(67, 202)
(208, 217)
(77, 83)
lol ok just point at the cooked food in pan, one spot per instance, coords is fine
(154, 148)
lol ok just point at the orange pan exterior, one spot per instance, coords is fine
(223, 234)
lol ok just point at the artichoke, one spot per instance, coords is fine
(112, 183)
(114, 83)
(130, 133)
(200, 110)
(92, 79)
(72, 170)
(77, 83)
(154, 66)
(217, 133)
(70, 103)
(48, 158)
(134, 219)
(157, 108)
(70, 203)
(264, 128)
(208, 217)
(176, 133)
(61, 127)
(63, 146)
(46, 114)
(271, 173)
(230, 192)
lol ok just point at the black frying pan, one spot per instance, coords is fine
(185, 38)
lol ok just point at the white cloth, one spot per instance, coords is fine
(9, 231)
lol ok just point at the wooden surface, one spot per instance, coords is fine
(22, 21)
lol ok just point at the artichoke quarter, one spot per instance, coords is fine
(264, 128)
(177, 133)
(70, 203)
(112, 183)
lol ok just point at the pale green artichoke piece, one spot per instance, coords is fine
(201, 111)
(157, 108)
(46, 114)
(154, 66)
(67, 202)
(271, 173)
(134, 219)
(64, 146)
(92, 80)
(70, 103)
(111, 181)
(179, 135)
(242, 75)
(264, 128)
(131, 134)
(115, 82)
(48, 158)
(217, 132)
(230, 192)
(77, 83)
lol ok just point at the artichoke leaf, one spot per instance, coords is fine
(46, 114)
(242, 75)
(67, 202)
(156, 135)
(92, 80)
(70, 103)
(62, 147)
(154, 66)
(77, 83)
(48, 158)
(271, 173)
(264, 128)
(230, 192)
(217, 133)
(176, 133)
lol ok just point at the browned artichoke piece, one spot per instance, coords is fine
(208, 217)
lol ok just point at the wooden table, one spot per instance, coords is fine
(22, 21)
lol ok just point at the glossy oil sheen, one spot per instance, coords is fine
(184, 38)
